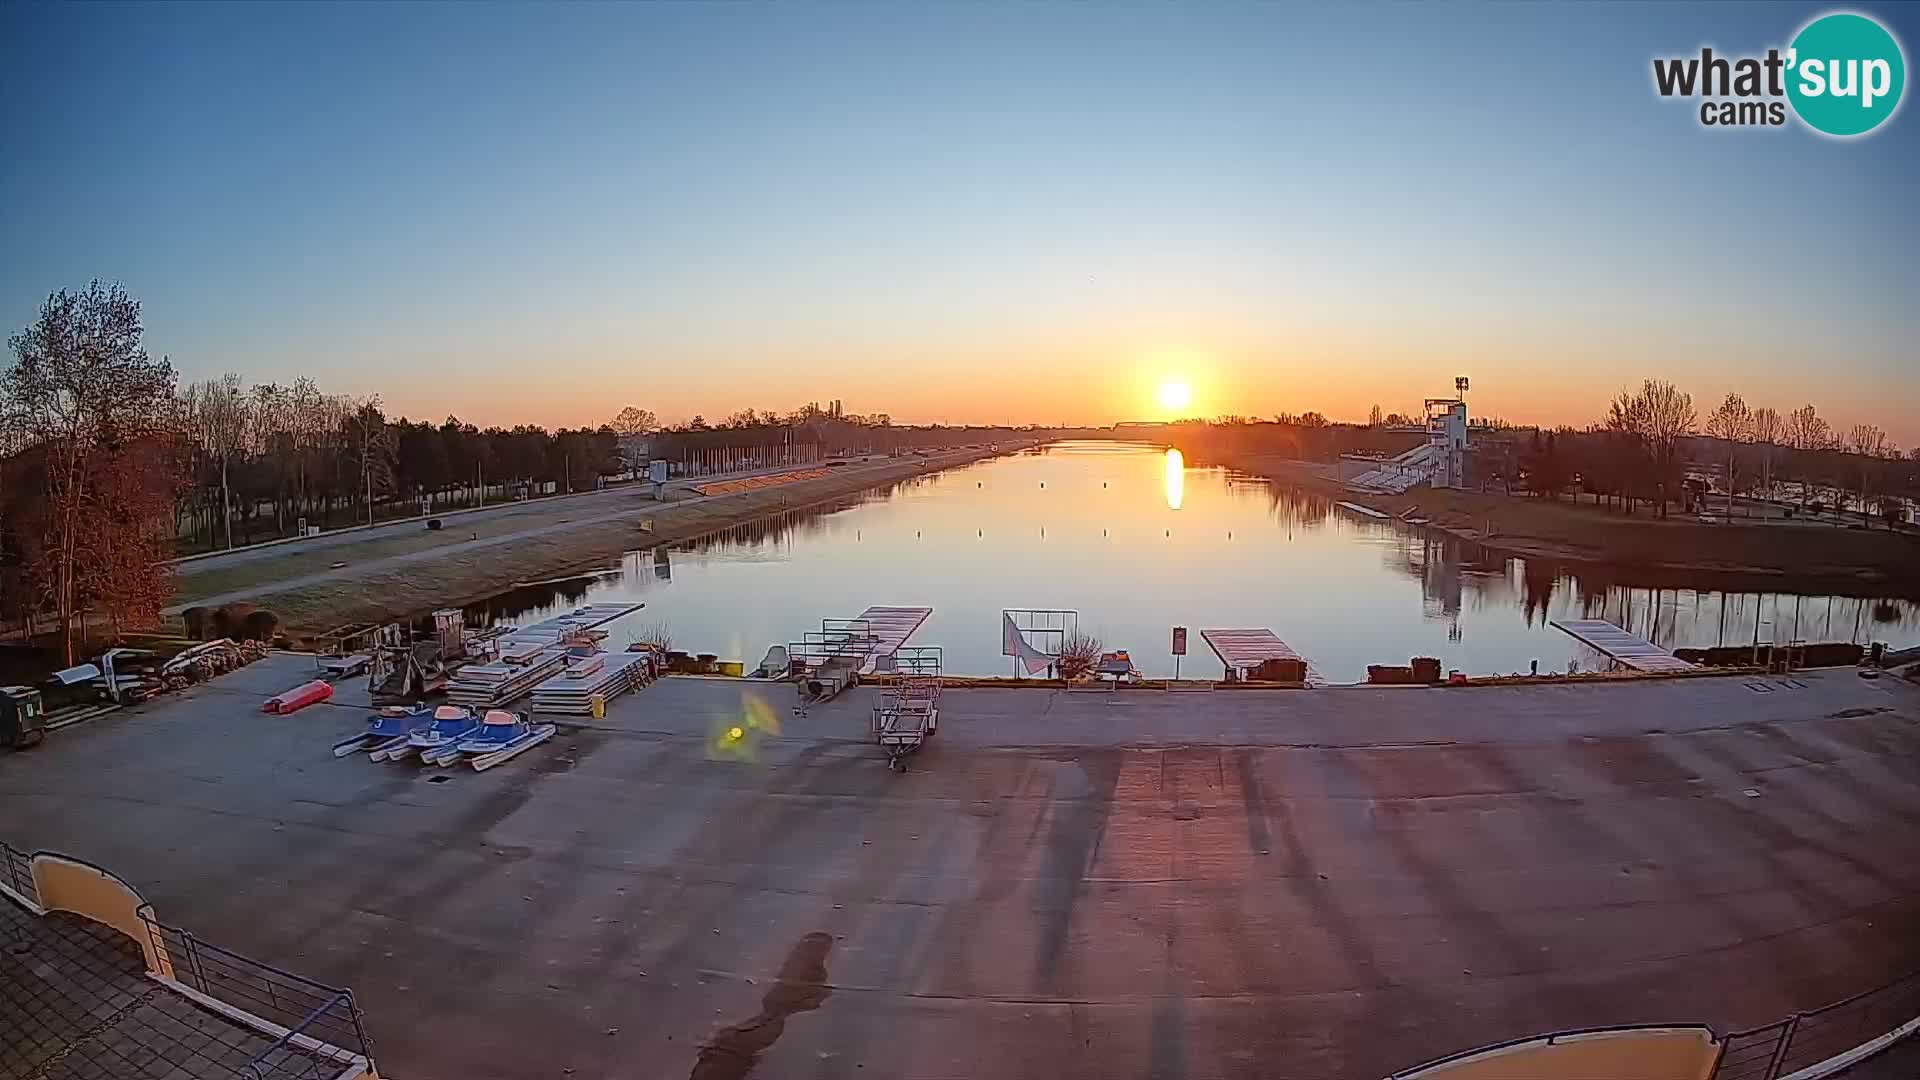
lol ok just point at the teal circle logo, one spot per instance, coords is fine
(1845, 74)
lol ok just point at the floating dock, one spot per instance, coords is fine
(862, 642)
(607, 675)
(888, 629)
(1365, 511)
(583, 620)
(1245, 652)
(832, 658)
(1623, 647)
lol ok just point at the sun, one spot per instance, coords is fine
(1175, 395)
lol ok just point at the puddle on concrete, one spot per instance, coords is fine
(800, 987)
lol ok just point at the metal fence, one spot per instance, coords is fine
(312, 1013)
(16, 872)
(1807, 1038)
(289, 1058)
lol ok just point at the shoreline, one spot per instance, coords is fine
(460, 573)
(404, 575)
(1657, 553)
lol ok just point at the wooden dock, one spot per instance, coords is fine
(580, 620)
(890, 627)
(1246, 651)
(1622, 647)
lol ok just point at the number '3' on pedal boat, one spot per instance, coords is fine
(387, 730)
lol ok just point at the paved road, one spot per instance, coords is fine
(1324, 884)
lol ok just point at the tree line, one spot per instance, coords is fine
(266, 459)
(1653, 448)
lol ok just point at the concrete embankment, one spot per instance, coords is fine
(368, 583)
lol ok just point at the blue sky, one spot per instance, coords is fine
(541, 213)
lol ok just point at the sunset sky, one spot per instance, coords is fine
(958, 213)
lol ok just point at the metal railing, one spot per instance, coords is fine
(1549, 1039)
(16, 872)
(293, 1059)
(312, 1014)
(1808, 1038)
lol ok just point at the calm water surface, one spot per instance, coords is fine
(1136, 544)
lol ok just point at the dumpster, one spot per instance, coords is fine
(23, 718)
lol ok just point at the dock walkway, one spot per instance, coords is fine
(1243, 651)
(890, 627)
(1622, 646)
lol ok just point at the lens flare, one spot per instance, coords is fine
(737, 738)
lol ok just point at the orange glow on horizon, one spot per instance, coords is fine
(1099, 381)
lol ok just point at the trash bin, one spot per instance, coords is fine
(23, 719)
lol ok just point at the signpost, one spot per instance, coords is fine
(1179, 648)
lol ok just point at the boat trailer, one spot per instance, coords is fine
(909, 710)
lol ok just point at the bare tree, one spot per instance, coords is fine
(219, 413)
(1374, 418)
(1807, 432)
(1731, 421)
(84, 391)
(1766, 433)
(633, 420)
(1663, 415)
(629, 425)
(1869, 442)
(371, 443)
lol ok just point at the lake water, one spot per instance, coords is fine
(1136, 543)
